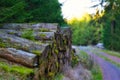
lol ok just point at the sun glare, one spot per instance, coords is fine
(75, 8)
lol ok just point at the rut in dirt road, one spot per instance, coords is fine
(109, 71)
(113, 58)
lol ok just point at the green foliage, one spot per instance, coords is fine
(30, 11)
(111, 27)
(28, 34)
(96, 73)
(58, 76)
(109, 60)
(85, 32)
(74, 60)
(113, 53)
(12, 11)
(85, 60)
(45, 11)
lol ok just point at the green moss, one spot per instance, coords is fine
(15, 69)
(55, 45)
(11, 32)
(57, 64)
(65, 42)
(56, 51)
(44, 30)
(37, 52)
(51, 74)
(74, 60)
(58, 76)
(1, 25)
(28, 34)
(2, 44)
(39, 42)
(42, 35)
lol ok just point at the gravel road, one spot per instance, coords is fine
(109, 71)
(114, 58)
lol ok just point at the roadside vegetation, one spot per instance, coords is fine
(113, 53)
(58, 76)
(85, 31)
(86, 60)
(109, 60)
(96, 72)
(13, 71)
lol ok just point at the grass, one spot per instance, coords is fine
(109, 60)
(96, 72)
(94, 68)
(15, 69)
(113, 53)
(59, 76)
(85, 60)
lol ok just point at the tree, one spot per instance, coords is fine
(111, 38)
(85, 31)
(45, 11)
(30, 11)
(12, 11)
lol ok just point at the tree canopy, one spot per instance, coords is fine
(111, 23)
(30, 11)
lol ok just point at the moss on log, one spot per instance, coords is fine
(50, 45)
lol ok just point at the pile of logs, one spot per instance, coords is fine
(45, 47)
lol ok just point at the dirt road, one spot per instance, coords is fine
(109, 71)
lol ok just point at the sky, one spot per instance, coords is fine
(77, 8)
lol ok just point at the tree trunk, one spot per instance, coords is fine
(19, 56)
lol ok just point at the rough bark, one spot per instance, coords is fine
(47, 36)
(17, 26)
(20, 43)
(19, 56)
(54, 52)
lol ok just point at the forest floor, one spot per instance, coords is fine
(109, 62)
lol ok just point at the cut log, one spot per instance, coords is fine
(37, 34)
(40, 26)
(19, 56)
(54, 52)
(44, 35)
(24, 44)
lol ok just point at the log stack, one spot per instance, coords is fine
(44, 47)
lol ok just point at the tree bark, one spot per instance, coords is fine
(50, 26)
(24, 44)
(19, 56)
